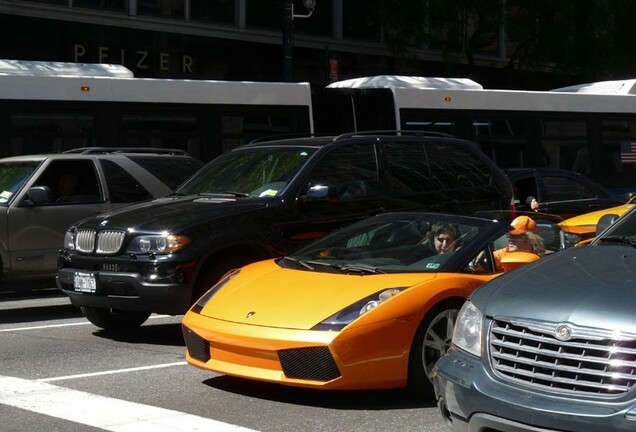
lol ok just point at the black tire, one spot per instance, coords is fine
(432, 339)
(114, 319)
(214, 269)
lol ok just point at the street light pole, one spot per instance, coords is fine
(288, 26)
(288, 32)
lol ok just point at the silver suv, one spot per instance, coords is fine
(550, 346)
(42, 195)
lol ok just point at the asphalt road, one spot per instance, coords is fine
(61, 373)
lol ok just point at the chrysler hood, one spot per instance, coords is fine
(265, 294)
(592, 286)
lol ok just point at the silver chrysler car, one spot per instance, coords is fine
(550, 346)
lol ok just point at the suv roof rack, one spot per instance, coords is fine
(279, 137)
(395, 132)
(105, 150)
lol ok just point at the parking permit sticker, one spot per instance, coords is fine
(5, 196)
(432, 265)
(268, 193)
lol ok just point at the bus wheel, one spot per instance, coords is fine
(114, 319)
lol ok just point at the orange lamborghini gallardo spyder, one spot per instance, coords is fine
(370, 306)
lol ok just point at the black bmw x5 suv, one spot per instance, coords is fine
(259, 201)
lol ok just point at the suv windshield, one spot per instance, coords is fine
(253, 172)
(12, 177)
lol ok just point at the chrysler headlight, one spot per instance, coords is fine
(468, 328)
(341, 319)
(157, 243)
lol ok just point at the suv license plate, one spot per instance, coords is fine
(85, 282)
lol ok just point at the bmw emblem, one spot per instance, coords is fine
(104, 222)
(563, 332)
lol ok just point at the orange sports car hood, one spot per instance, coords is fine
(265, 294)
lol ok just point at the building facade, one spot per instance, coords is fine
(227, 39)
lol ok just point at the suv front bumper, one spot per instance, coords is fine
(128, 291)
(471, 399)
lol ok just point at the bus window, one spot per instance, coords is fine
(503, 139)
(418, 120)
(160, 131)
(564, 142)
(50, 132)
(618, 154)
(238, 128)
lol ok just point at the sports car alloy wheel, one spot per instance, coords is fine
(431, 342)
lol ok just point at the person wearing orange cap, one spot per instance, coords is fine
(521, 238)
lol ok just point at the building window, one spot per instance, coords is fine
(163, 8)
(361, 20)
(264, 14)
(111, 5)
(218, 11)
(56, 2)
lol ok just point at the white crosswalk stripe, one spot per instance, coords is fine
(101, 412)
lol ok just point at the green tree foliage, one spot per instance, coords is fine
(588, 39)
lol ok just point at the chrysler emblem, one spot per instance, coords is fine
(250, 314)
(563, 332)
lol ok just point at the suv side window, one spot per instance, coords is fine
(561, 188)
(172, 174)
(456, 167)
(349, 171)
(408, 167)
(71, 182)
(122, 187)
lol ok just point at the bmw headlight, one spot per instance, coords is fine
(157, 243)
(341, 319)
(69, 239)
(468, 328)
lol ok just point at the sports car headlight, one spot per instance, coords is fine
(468, 328)
(205, 298)
(158, 243)
(341, 319)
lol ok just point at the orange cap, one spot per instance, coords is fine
(522, 224)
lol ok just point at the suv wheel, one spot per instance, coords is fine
(113, 319)
(431, 342)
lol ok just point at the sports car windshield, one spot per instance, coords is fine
(12, 177)
(250, 172)
(390, 243)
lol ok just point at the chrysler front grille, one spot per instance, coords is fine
(104, 242)
(590, 361)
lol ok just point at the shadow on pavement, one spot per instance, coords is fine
(334, 399)
(152, 334)
(38, 313)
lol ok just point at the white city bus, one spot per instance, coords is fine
(587, 128)
(57, 106)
